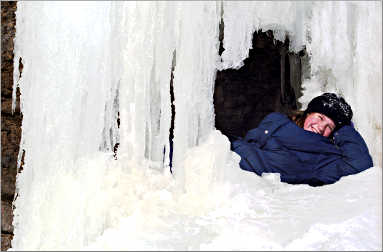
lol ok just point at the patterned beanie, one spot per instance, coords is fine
(332, 106)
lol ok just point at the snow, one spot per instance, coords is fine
(86, 61)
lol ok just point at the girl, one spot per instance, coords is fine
(316, 146)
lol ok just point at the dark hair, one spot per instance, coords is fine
(298, 117)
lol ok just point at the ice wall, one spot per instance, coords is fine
(67, 86)
(95, 61)
(346, 57)
(85, 61)
(243, 18)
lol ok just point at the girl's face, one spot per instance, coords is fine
(319, 123)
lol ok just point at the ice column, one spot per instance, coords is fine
(242, 19)
(65, 88)
(197, 57)
(147, 34)
(152, 33)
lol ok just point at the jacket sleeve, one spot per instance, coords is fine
(355, 158)
(249, 148)
(252, 158)
(354, 149)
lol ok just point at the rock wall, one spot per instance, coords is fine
(10, 123)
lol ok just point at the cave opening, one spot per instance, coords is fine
(269, 81)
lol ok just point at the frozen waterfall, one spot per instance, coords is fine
(88, 63)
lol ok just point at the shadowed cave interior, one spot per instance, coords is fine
(270, 80)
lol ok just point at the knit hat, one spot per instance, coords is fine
(332, 106)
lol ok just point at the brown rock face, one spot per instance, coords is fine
(6, 241)
(10, 123)
(6, 216)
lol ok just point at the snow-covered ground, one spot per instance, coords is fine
(86, 61)
(224, 208)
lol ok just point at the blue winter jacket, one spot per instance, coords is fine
(278, 145)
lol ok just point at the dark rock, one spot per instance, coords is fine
(6, 217)
(243, 97)
(10, 123)
(6, 106)
(6, 241)
(8, 177)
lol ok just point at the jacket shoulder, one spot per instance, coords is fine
(275, 116)
(267, 127)
(274, 119)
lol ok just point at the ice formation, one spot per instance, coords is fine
(85, 62)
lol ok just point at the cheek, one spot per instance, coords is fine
(308, 122)
(306, 125)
